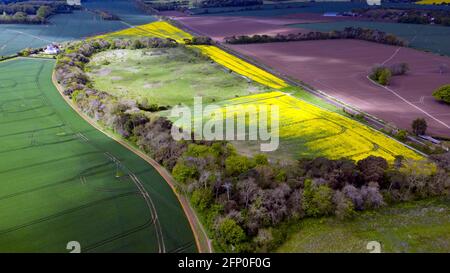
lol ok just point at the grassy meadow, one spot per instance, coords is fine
(420, 226)
(167, 76)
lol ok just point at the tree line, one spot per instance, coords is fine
(409, 16)
(30, 12)
(105, 15)
(348, 33)
(247, 202)
(184, 4)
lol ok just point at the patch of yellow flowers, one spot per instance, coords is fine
(319, 132)
(242, 67)
(431, 2)
(158, 29)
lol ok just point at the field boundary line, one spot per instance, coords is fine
(31, 35)
(392, 56)
(9, 58)
(193, 220)
(408, 102)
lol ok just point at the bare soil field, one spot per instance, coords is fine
(219, 27)
(340, 67)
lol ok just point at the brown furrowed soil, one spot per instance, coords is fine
(340, 68)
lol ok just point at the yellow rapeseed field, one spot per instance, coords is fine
(158, 29)
(318, 132)
(242, 67)
(431, 2)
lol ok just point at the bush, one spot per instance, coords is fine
(442, 93)
(381, 75)
(384, 77)
(401, 135)
(201, 199)
(195, 150)
(211, 214)
(237, 164)
(261, 159)
(199, 40)
(26, 52)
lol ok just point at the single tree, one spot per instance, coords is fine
(419, 126)
(43, 11)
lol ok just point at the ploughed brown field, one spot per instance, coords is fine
(340, 68)
(219, 27)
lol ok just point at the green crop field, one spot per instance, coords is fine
(73, 26)
(410, 227)
(62, 180)
(166, 77)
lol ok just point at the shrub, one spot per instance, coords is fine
(199, 40)
(196, 150)
(26, 52)
(211, 215)
(237, 164)
(385, 77)
(201, 198)
(401, 135)
(442, 93)
(261, 159)
(381, 75)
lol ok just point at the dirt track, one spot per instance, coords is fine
(339, 68)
